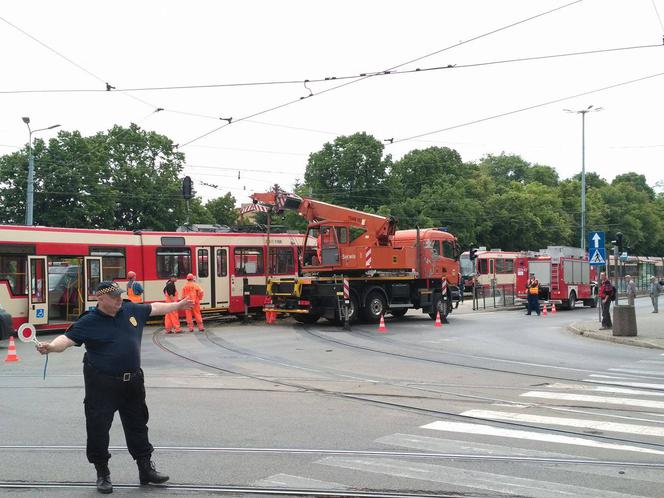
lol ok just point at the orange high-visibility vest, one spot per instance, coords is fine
(134, 298)
(533, 287)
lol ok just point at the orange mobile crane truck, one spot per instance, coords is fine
(387, 271)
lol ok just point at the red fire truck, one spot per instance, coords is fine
(564, 275)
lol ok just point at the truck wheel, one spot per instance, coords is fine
(399, 312)
(305, 318)
(572, 301)
(374, 307)
(439, 304)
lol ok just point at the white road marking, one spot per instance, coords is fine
(645, 403)
(488, 430)
(438, 445)
(497, 483)
(635, 371)
(289, 481)
(605, 389)
(598, 425)
(627, 384)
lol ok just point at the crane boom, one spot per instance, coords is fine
(379, 229)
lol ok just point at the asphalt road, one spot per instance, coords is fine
(491, 404)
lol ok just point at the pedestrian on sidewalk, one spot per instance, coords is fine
(655, 290)
(631, 290)
(607, 293)
(113, 377)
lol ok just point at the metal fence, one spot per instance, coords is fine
(494, 296)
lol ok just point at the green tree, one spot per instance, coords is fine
(223, 210)
(422, 167)
(124, 178)
(350, 172)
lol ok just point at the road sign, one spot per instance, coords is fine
(596, 240)
(597, 256)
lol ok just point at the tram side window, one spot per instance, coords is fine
(282, 261)
(14, 270)
(203, 263)
(249, 261)
(173, 261)
(504, 266)
(222, 263)
(483, 266)
(114, 261)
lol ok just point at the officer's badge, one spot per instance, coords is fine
(133, 321)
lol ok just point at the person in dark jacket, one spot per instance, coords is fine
(606, 295)
(113, 377)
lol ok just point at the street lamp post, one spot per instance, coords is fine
(31, 171)
(583, 113)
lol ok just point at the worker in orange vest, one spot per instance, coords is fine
(134, 289)
(171, 320)
(194, 292)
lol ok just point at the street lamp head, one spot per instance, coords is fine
(26, 120)
(54, 126)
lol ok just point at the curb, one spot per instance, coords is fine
(610, 338)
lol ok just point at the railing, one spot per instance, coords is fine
(494, 296)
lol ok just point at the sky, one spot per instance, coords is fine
(473, 107)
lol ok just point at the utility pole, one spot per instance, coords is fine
(583, 113)
(29, 201)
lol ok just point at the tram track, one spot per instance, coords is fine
(358, 453)
(221, 489)
(366, 398)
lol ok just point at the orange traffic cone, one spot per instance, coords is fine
(381, 325)
(544, 310)
(11, 352)
(553, 309)
(438, 322)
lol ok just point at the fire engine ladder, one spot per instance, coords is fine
(555, 269)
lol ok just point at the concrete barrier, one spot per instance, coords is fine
(624, 321)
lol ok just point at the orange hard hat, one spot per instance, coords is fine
(131, 274)
(190, 276)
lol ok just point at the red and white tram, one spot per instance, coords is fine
(48, 275)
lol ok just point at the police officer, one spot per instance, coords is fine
(113, 377)
(532, 288)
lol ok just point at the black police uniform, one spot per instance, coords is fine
(113, 378)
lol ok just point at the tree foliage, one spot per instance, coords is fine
(124, 178)
(502, 201)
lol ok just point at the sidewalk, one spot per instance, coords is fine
(649, 327)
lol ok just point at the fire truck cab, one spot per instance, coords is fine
(564, 274)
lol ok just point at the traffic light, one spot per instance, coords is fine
(473, 253)
(186, 188)
(619, 241)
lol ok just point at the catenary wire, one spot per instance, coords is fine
(335, 78)
(527, 108)
(347, 83)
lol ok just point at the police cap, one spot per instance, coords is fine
(106, 287)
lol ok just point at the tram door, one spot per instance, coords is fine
(212, 276)
(38, 290)
(92, 277)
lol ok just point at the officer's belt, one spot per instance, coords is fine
(124, 377)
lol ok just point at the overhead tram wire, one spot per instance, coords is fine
(528, 108)
(338, 78)
(108, 87)
(357, 80)
(661, 24)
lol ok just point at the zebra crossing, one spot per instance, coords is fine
(532, 447)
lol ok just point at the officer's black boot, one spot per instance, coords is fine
(147, 472)
(104, 484)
